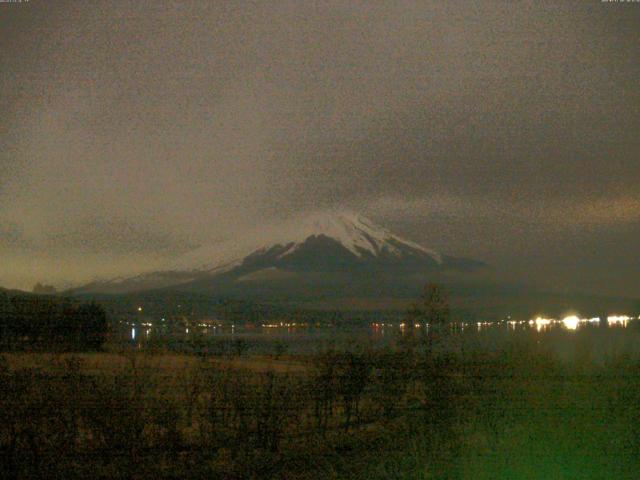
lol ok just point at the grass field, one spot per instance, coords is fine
(516, 411)
(165, 363)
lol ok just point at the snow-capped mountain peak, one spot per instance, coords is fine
(356, 233)
(341, 242)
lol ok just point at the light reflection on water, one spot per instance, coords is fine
(569, 323)
(376, 331)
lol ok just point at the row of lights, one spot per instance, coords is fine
(283, 324)
(571, 322)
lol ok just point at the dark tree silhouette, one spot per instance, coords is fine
(435, 304)
(51, 323)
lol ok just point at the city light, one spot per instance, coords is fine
(571, 322)
(541, 322)
(618, 320)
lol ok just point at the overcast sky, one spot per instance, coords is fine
(132, 131)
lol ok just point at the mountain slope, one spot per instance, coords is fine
(340, 244)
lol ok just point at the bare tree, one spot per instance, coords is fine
(435, 304)
(432, 312)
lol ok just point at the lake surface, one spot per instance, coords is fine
(568, 338)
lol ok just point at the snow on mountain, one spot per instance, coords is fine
(356, 233)
(323, 242)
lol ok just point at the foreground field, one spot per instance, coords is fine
(404, 411)
(96, 363)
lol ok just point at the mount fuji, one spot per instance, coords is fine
(338, 248)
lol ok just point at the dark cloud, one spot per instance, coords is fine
(134, 130)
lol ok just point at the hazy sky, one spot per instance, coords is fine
(132, 131)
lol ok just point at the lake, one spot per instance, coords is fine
(568, 337)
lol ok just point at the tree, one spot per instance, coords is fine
(7, 317)
(94, 325)
(353, 371)
(51, 322)
(432, 312)
(324, 385)
(434, 305)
